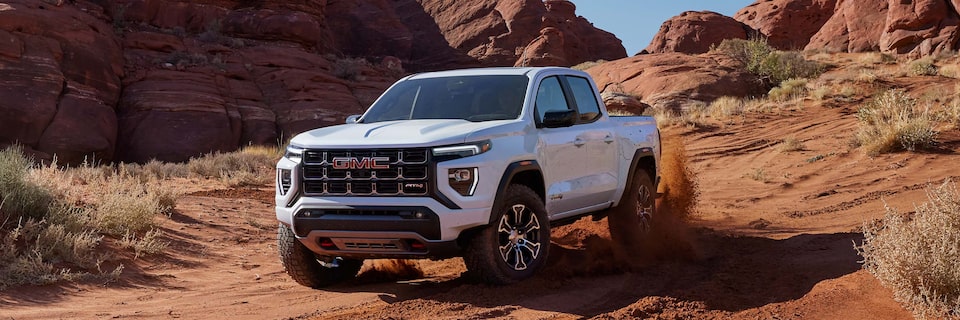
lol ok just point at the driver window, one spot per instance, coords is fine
(550, 97)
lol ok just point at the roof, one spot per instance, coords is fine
(527, 71)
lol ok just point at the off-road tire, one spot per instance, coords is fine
(511, 249)
(304, 267)
(632, 220)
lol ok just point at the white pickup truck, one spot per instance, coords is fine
(478, 163)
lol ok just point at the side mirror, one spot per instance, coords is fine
(353, 119)
(559, 119)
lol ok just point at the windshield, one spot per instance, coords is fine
(471, 98)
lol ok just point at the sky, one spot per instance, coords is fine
(637, 21)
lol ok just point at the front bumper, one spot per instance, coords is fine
(375, 227)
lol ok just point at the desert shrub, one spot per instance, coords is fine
(19, 197)
(950, 71)
(789, 90)
(150, 243)
(916, 255)
(236, 168)
(588, 64)
(867, 76)
(922, 67)
(772, 66)
(780, 66)
(750, 52)
(821, 92)
(791, 144)
(893, 122)
(666, 118)
(211, 33)
(349, 68)
(877, 58)
(125, 206)
(758, 174)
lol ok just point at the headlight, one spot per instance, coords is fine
(461, 151)
(284, 180)
(294, 153)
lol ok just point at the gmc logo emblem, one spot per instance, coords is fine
(361, 163)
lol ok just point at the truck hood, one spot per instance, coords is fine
(393, 134)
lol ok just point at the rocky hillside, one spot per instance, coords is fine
(676, 70)
(135, 80)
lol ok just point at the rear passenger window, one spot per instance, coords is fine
(587, 103)
(550, 97)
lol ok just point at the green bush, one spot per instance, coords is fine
(916, 255)
(780, 66)
(772, 66)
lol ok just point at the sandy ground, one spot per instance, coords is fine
(778, 248)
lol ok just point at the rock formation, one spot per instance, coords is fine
(695, 32)
(60, 80)
(135, 80)
(921, 27)
(522, 32)
(787, 24)
(673, 80)
(856, 26)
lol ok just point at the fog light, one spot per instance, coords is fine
(284, 180)
(463, 180)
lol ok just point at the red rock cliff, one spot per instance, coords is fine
(135, 80)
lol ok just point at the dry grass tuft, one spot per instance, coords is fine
(588, 65)
(149, 243)
(874, 58)
(950, 71)
(867, 76)
(725, 107)
(916, 255)
(893, 122)
(788, 90)
(791, 144)
(758, 174)
(922, 67)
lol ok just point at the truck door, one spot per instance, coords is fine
(600, 142)
(578, 162)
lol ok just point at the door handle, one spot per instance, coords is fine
(608, 139)
(578, 142)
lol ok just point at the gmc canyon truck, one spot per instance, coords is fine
(478, 163)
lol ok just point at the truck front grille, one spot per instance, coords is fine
(377, 172)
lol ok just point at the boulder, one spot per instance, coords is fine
(498, 33)
(921, 27)
(695, 32)
(787, 24)
(672, 81)
(856, 26)
(618, 102)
